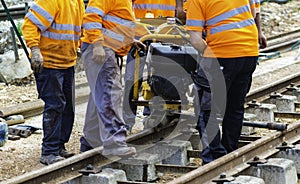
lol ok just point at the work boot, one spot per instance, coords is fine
(84, 145)
(50, 159)
(119, 151)
(64, 153)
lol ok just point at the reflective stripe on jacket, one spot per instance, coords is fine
(162, 8)
(110, 21)
(55, 27)
(230, 27)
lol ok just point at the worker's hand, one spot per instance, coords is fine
(262, 40)
(138, 45)
(36, 60)
(98, 53)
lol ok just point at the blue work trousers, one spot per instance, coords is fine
(104, 125)
(222, 87)
(56, 89)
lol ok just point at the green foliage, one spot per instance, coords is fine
(19, 27)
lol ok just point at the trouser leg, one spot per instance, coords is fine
(69, 110)
(91, 129)
(238, 75)
(108, 101)
(208, 125)
(49, 85)
(104, 82)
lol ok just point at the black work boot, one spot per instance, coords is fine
(50, 159)
(64, 153)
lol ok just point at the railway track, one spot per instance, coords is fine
(231, 164)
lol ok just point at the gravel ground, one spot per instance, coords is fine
(18, 157)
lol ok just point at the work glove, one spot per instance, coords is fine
(36, 60)
(138, 45)
(98, 53)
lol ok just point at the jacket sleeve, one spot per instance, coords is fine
(195, 16)
(93, 19)
(252, 4)
(37, 20)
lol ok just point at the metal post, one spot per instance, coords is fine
(14, 44)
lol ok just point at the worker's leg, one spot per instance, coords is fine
(69, 110)
(238, 74)
(50, 89)
(107, 97)
(208, 125)
(91, 130)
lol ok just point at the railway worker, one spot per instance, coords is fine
(144, 9)
(108, 31)
(230, 54)
(53, 37)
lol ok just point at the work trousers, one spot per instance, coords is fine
(222, 86)
(104, 124)
(56, 88)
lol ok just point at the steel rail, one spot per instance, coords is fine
(235, 162)
(282, 40)
(279, 86)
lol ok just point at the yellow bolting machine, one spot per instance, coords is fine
(170, 61)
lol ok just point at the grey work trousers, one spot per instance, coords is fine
(104, 125)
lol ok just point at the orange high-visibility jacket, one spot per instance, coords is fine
(159, 8)
(55, 27)
(111, 22)
(230, 27)
(185, 5)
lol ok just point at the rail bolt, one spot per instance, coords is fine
(90, 170)
(223, 179)
(254, 104)
(256, 160)
(222, 175)
(89, 167)
(292, 87)
(285, 146)
(275, 95)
